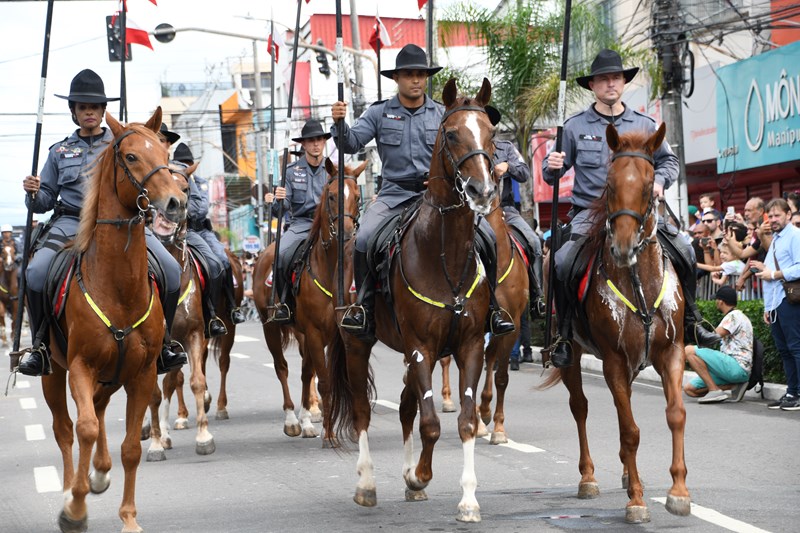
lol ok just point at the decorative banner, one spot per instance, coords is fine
(541, 144)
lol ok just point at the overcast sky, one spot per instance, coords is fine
(78, 41)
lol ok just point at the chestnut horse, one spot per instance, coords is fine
(512, 295)
(636, 307)
(8, 287)
(112, 291)
(315, 322)
(441, 302)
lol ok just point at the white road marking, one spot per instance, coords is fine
(23, 384)
(34, 432)
(239, 355)
(47, 479)
(718, 519)
(520, 447)
(245, 338)
(270, 365)
(27, 403)
(387, 403)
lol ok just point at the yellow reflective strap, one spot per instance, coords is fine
(478, 277)
(323, 289)
(507, 272)
(425, 298)
(150, 308)
(97, 310)
(186, 292)
(621, 296)
(3, 289)
(662, 293)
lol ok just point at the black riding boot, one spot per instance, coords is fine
(500, 322)
(37, 363)
(359, 318)
(172, 354)
(237, 317)
(284, 314)
(693, 330)
(214, 324)
(561, 356)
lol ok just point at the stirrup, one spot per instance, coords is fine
(351, 313)
(41, 351)
(504, 319)
(286, 316)
(551, 350)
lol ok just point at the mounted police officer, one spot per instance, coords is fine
(305, 179)
(405, 128)
(61, 188)
(585, 149)
(205, 243)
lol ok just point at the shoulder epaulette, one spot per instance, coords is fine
(579, 113)
(644, 115)
(378, 102)
(58, 142)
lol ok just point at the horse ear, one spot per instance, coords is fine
(360, 168)
(190, 170)
(485, 94)
(116, 127)
(655, 140)
(612, 138)
(330, 167)
(449, 92)
(154, 123)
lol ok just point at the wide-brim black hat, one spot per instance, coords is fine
(87, 88)
(311, 130)
(411, 57)
(171, 136)
(183, 154)
(607, 62)
(494, 114)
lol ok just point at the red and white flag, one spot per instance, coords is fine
(274, 42)
(379, 32)
(421, 3)
(136, 35)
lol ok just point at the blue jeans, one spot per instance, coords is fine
(786, 333)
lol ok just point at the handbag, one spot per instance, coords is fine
(791, 288)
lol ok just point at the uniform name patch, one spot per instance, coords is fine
(587, 137)
(393, 117)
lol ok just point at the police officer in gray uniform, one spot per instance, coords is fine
(305, 179)
(405, 128)
(61, 188)
(585, 149)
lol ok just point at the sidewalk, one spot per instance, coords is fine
(772, 391)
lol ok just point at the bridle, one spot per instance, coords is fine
(333, 218)
(458, 180)
(642, 242)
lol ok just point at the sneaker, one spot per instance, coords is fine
(779, 402)
(737, 393)
(791, 404)
(715, 396)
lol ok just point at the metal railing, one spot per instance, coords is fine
(752, 289)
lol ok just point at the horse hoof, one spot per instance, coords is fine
(310, 433)
(498, 437)
(156, 455)
(316, 414)
(222, 414)
(589, 490)
(207, 401)
(679, 505)
(469, 515)
(166, 442)
(416, 495)
(448, 406)
(146, 431)
(486, 419)
(481, 431)
(637, 514)
(366, 497)
(205, 448)
(99, 481)
(68, 525)
(292, 430)
(181, 423)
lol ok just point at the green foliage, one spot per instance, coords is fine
(754, 309)
(467, 85)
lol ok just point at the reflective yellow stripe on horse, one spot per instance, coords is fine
(629, 304)
(186, 292)
(442, 305)
(105, 319)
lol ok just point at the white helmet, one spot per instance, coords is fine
(6, 227)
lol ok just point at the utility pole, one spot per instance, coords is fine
(668, 38)
(260, 163)
(358, 91)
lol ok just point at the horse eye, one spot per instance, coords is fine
(451, 136)
(130, 158)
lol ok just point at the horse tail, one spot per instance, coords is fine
(339, 414)
(214, 348)
(552, 378)
(287, 335)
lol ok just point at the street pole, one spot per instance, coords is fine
(358, 91)
(123, 94)
(429, 46)
(260, 163)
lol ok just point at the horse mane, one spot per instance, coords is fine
(316, 224)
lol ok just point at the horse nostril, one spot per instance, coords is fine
(471, 189)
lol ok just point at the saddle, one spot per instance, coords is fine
(199, 262)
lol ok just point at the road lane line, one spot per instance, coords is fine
(27, 403)
(47, 480)
(22, 384)
(270, 365)
(239, 355)
(387, 403)
(34, 432)
(245, 338)
(719, 519)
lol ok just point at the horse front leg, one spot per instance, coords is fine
(616, 373)
(678, 499)
(224, 364)
(447, 401)
(357, 354)
(485, 406)
(504, 346)
(155, 452)
(418, 393)
(54, 388)
(99, 478)
(470, 362)
(272, 335)
(204, 440)
(579, 406)
(307, 379)
(169, 387)
(182, 419)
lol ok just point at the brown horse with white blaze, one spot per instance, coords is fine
(8, 287)
(635, 305)
(111, 290)
(441, 301)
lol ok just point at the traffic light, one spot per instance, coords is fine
(322, 58)
(113, 40)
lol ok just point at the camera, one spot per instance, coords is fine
(704, 241)
(754, 270)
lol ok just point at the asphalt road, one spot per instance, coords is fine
(742, 460)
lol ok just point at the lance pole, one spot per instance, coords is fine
(340, 145)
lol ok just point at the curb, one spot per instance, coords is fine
(772, 391)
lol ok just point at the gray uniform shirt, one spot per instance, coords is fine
(506, 152)
(197, 207)
(586, 149)
(405, 144)
(66, 171)
(303, 188)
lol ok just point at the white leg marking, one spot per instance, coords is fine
(427, 395)
(469, 481)
(468, 392)
(365, 468)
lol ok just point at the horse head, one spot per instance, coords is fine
(465, 148)
(145, 162)
(352, 199)
(9, 255)
(169, 231)
(630, 206)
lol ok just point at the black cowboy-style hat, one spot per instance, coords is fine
(607, 62)
(494, 114)
(183, 154)
(411, 57)
(311, 130)
(87, 88)
(171, 136)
